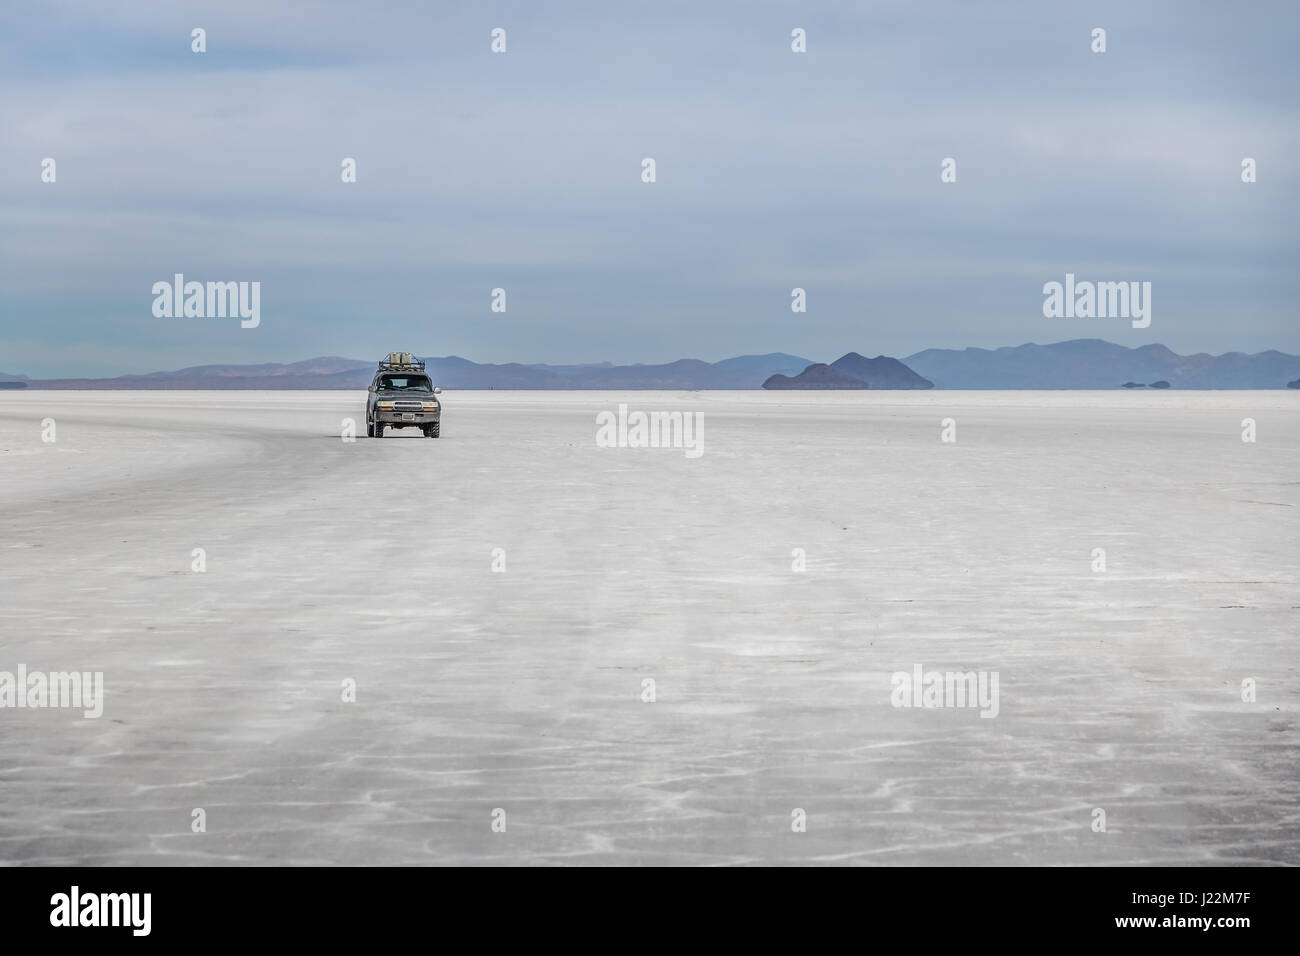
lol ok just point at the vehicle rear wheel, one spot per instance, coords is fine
(379, 429)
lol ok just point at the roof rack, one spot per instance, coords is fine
(401, 362)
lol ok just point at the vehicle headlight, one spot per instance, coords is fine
(430, 406)
(386, 406)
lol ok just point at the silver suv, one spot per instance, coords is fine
(402, 396)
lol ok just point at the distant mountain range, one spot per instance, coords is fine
(741, 372)
(1093, 363)
(1080, 363)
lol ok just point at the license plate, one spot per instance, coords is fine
(407, 417)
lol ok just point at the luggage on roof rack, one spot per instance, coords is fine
(401, 360)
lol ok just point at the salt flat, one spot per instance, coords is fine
(371, 561)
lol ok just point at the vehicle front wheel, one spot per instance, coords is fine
(431, 431)
(379, 429)
(370, 428)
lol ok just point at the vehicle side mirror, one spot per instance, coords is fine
(437, 389)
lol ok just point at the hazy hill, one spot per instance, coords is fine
(853, 371)
(1094, 363)
(774, 363)
(880, 372)
(820, 375)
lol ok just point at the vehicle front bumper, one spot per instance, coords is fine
(406, 418)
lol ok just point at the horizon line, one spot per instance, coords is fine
(685, 358)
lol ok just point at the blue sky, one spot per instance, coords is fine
(522, 171)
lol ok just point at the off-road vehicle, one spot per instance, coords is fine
(402, 396)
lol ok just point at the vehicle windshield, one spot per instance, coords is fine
(405, 383)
